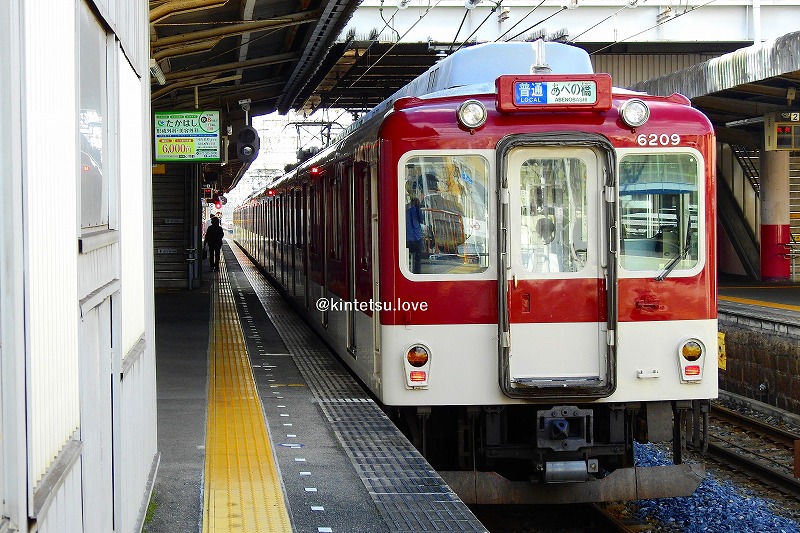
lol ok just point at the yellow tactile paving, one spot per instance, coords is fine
(242, 488)
(759, 302)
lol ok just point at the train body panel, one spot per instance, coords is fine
(481, 278)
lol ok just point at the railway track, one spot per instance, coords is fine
(760, 450)
(610, 517)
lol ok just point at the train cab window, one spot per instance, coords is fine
(554, 215)
(659, 205)
(445, 218)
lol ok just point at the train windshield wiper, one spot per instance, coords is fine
(672, 264)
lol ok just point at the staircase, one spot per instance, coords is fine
(738, 202)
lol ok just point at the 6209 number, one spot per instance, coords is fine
(654, 139)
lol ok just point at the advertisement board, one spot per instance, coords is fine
(186, 136)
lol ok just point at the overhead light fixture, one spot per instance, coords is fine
(155, 71)
(402, 4)
(745, 122)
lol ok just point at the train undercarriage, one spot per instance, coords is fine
(559, 453)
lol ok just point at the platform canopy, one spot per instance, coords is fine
(351, 54)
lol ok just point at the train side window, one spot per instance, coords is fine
(445, 220)
(659, 205)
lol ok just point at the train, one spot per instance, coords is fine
(517, 260)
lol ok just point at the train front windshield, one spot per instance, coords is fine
(446, 214)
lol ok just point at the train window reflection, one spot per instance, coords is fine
(446, 215)
(553, 211)
(658, 196)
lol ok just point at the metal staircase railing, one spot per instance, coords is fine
(744, 156)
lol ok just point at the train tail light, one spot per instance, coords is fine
(691, 356)
(417, 363)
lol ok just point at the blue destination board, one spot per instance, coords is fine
(555, 92)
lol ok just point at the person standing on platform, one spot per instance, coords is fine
(213, 240)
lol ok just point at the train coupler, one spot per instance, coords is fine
(564, 428)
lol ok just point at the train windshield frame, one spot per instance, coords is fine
(661, 194)
(445, 214)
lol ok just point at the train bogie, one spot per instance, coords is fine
(521, 270)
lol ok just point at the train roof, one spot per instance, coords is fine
(473, 70)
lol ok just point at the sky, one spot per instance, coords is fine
(281, 137)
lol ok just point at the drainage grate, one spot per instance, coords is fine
(408, 492)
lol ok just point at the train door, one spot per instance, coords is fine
(351, 258)
(557, 311)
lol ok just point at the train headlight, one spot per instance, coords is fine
(634, 112)
(472, 114)
(691, 356)
(417, 363)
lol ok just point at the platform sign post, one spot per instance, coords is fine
(187, 136)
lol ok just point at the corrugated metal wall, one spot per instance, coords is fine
(126, 19)
(89, 371)
(134, 128)
(136, 440)
(627, 69)
(64, 514)
(51, 192)
(135, 443)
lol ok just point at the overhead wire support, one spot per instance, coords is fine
(520, 21)
(541, 21)
(427, 10)
(596, 25)
(654, 26)
(491, 11)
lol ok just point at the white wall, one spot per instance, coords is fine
(76, 305)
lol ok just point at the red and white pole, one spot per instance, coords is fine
(775, 265)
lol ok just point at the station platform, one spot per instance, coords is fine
(261, 429)
(779, 302)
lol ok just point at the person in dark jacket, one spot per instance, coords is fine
(414, 243)
(213, 240)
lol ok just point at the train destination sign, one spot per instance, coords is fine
(553, 92)
(186, 136)
(556, 92)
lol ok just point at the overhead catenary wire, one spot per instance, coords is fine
(455, 38)
(491, 11)
(509, 30)
(529, 28)
(596, 25)
(427, 10)
(654, 26)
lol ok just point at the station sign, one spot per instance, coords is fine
(187, 136)
(553, 92)
(782, 131)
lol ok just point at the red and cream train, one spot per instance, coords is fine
(518, 260)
